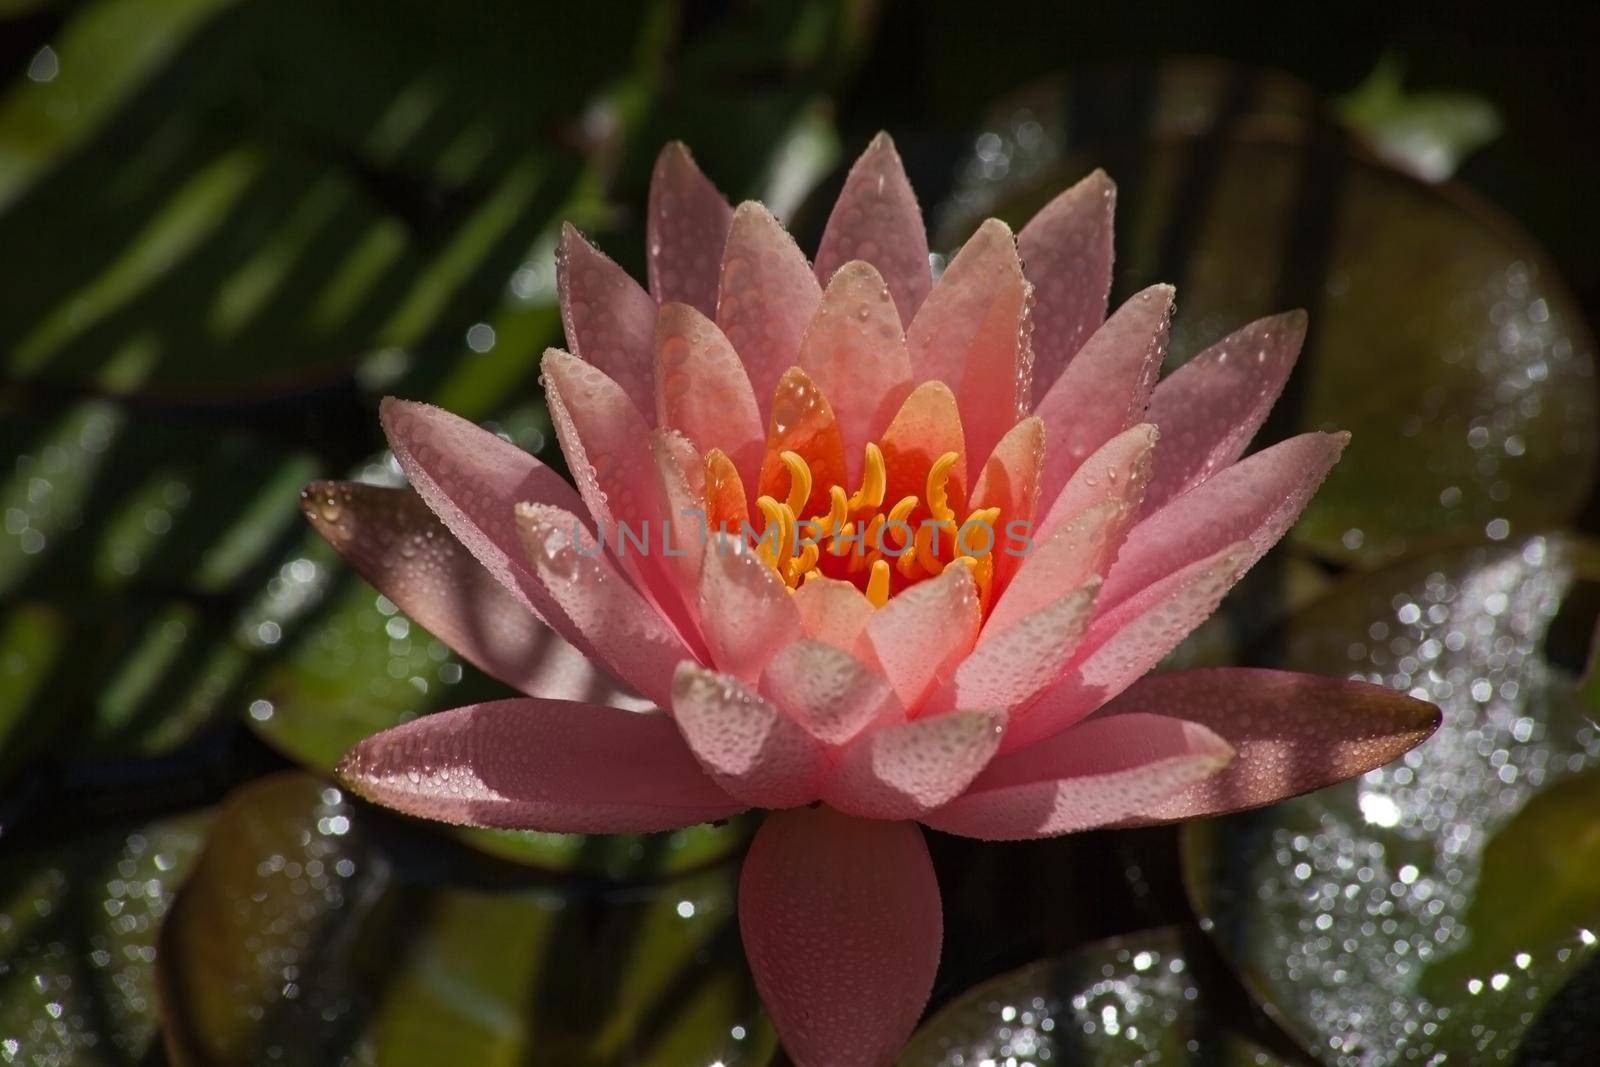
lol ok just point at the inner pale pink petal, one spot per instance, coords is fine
(702, 390)
(876, 219)
(1097, 773)
(1119, 469)
(833, 611)
(687, 227)
(855, 352)
(841, 924)
(746, 612)
(1209, 408)
(748, 746)
(1257, 499)
(1067, 249)
(547, 765)
(1105, 388)
(401, 547)
(921, 634)
(1015, 664)
(904, 771)
(609, 318)
(828, 691)
(766, 298)
(682, 474)
(1076, 551)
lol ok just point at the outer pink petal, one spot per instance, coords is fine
(828, 691)
(1256, 499)
(904, 771)
(1119, 469)
(1067, 249)
(702, 390)
(1209, 408)
(681, 471)
(1076, 551)
(766, 298)
(746, 612)
(748, 746)
(972, 335)
(539, 765)
(1100, 772)
(687, 228)
(1293, 732)
(876, 219)
(833, 611)
(921, 634)
(1106, 387)
(609, 319)
(855, 352)
(1017, 663)
(1127, 642)
(402, 548)
(841, 924)
(627, 634)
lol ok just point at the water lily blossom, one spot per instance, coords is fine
(864, 548)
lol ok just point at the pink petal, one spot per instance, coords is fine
(1075, 552)
(702, 390)
(1209, 408)
(1099, 772)
(1067, 250)
(841, 924)
(1126, 642)
(828, 691)
(767, 297)
(1293, 732)
(923, 632)
(971, 334)
(1105, 388)
(1009, 479)
(750, 748)
(746, 612)
(1119, 469)
(927, 426)
(682, 475)
(1256, 499)
(856, 354)
(904, 771)
(610, 321)
(833, 611)
(532, 764)
(401, 547)
(1017, 663)
(687, 229)
(876, 219)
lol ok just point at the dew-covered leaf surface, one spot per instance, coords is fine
(1433, 909)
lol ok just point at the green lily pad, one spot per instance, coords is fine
(1128, 1001)
(1429, 910)
(78, 925)
(316, 930)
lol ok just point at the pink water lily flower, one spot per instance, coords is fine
(880, 671)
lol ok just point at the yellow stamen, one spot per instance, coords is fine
(878, 584)
(938, 487)
(799, 481)
(874, 481)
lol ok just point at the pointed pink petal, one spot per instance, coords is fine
(609, 319)
(1209, 408)
(1099, 772)
(927, 426)
(626, 633)
(876, 219)
(841, 924)
(833, 611)
(1106, 387)
(971, 334)
(1256, 499)
(533, 764)
(1075, 552)
(682, 475)
(401, 547)
(1293, 732)
(687, 228)
(749, 747)
(767, 297)
(903, 771)
(1067, 250)
(1119, 469)
(854, 350)
(1128, 641)
(702, 390)
(1009, 479)
(746, 612)
(1017, 663)
(829, 692)
(923, 632)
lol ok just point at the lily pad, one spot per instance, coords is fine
(1128, 1001)
(313, 932)
(1431, 909)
